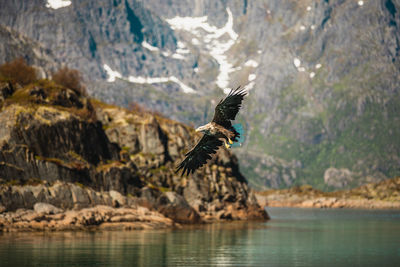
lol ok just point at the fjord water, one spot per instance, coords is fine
(293, 237)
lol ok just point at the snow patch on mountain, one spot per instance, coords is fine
(150, 47)
(182, 49)
(216, 41)
(251, 63)
(178, 55)
(297, 62)
(113, 75)
(150, 80)
(56, 4)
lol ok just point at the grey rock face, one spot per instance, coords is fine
(93, 33)
(59, 196)
(15, 44)
(338, 178)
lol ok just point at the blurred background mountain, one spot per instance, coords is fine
(323, 76)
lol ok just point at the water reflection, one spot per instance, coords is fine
(206, 244)
(293, 237)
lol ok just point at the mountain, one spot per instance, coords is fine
(322, 76)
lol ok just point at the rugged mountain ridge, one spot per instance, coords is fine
(323, 75)
(61, 148)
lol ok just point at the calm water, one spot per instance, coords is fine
(294, 237)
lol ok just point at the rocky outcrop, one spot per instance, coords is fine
(95, 218)
(338, 178)
(62, 149)
(218, 184)
(382, 195)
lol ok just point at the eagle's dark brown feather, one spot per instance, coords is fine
(199, 155)
(228, 108)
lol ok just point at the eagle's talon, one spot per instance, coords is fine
(230, 141)
(227, 145)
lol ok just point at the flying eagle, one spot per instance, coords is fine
(219, 128)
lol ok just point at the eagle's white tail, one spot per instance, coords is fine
(239, 141)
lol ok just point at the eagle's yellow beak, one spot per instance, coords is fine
(200, 129)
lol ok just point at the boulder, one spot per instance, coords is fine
(175, 207)
(118, 199)
(46, 208)
(147, 197)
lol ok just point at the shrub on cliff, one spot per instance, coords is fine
(137, 108)
(141, 109)
(17, 71)
(70, 78)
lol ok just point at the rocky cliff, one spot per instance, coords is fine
(323, 75)
(61, 148)
(16, 45)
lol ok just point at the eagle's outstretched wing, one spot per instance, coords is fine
(228, 107)
(199, 155)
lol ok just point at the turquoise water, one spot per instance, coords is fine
(294, 237)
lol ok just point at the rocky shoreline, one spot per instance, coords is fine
(75, 207)
(278, 200)
(50, 218)
(382, 195)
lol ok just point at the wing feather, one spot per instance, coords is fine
(228, 108)
(199, 155)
